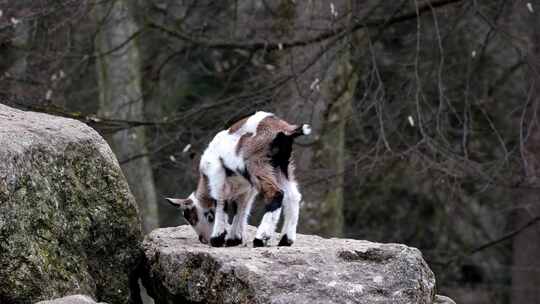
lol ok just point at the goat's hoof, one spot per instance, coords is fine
(218, 241)
(258, 243)
(285, 241)
(233, 242)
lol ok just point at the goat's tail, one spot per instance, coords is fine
(305, 129)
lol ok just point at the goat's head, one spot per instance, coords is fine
(200, 218)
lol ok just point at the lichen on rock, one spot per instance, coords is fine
(68, 222)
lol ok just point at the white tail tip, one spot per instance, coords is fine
(306, 129)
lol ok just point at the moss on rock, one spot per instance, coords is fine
(68, 222)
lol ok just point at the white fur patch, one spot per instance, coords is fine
(266, 229)
(253, 122)
(222, 147)
(306, 129)
(291, 206)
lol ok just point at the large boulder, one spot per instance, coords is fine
(68, 223)
(179, 269)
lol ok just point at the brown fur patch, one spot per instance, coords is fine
(265, 178)
(256, 150)
(267, 130)
(242, 142)
(237, 125)
(203, 193)
(258, 145)
(190, 215)
(277, 125)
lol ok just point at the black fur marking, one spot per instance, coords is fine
(280, 152)
(285, 241)
(231, 209)
(258, 243)
(246, 175)
(219, 240)
(191, 216)
(228, 171)
(233, 242)
(276, 203)
(234, 208)
(209, 215)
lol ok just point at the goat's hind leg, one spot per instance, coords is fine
(237, 233)
(291, 209)
(273, 196)
(266, 229)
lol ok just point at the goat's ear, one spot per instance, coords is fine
(180, 203)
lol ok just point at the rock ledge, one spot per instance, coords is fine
(179, 269)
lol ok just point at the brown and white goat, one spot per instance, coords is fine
(253, 156)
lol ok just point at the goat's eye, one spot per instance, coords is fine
(209, 216)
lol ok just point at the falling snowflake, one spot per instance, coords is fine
(333, 10)
(411, 120)
(315, 85)
(48, 95)
(530, 7)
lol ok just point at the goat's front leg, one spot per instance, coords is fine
(217, 239)
(237, 233)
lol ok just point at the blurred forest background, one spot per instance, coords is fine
(425, 112)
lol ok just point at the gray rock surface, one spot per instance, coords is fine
(68, 222)
(74, 299)
(179, 269)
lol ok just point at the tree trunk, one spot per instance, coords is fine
(14, 56)
(320, 95)
(121, 98)
(526, 245)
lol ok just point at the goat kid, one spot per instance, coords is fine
(253, 156)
